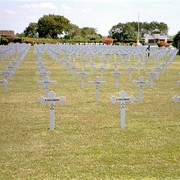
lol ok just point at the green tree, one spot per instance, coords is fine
(176, 41)
(123, 32)
(53, 25)
(128, 31)
(31, 30)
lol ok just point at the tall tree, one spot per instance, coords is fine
(31, 30)
(123, 32)
(53, 25)
(128, 31)
(176, 41)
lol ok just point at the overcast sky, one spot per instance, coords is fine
(100, 14)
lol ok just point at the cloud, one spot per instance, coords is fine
(9, 12)
(40, 6)
(65, 7)
(48, 5)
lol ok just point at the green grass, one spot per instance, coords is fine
(87, 142)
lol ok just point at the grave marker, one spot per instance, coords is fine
(176, 99)
(141, 82)
(82, 74)
(4, 82)
(45, 83)
(139, 66)
(97, 83)
(51, 99)
(130, 69)
(74, 69)
(102, 69)
(152, 74)
(116, 73)
(122, 99)
(43, 72)
(7, 73)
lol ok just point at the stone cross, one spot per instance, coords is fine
(146, 60)
(97, 83)
(51, 99)
(115, 64)
(130, 69)
(43, 72)
(163, 66)
(102, 69)
(4, 82)
(45, 83)
(139, 66)
(12, 67)
(74, 69)
(82, 74)
(156, 70)
(178, 82)
(84, 61)
(176, 98)
(105, 61)
(116, 73)
(7, 73)
(122, 99)
(68, 66)
(141, 82)
(91, 62)
(152, 74)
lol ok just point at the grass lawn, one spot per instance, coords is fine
(87, 142)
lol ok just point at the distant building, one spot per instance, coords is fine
(7, 33)
(154, 38)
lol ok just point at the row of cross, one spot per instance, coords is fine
(98, 81)
(20, 50)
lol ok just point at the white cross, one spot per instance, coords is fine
(163, 66)
(105, 61)
(176, 98)
(82, 74)
(4, 82)
(45, 83)
(84, 60)
(178, 82)
(156, 70)
(130, 69)
(102, 69)
(97, 83)
(12, 67)
(116, 73)
(91, 62)
(74, 69)
(152, 74)
(7, 73)
(139, 66)
(51, 99)
(141, 82)
(146, 63)
(122, 99)
(43, 72)
(68, 66)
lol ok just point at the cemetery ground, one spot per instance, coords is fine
(87, 142)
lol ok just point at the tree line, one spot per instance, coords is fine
(56, 26)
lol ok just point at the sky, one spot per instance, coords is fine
(99, 14)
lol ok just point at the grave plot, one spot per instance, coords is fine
(97, 83)
(45, 82)
(87, 140)
(141, 82)
(122, 99)
(52, 99)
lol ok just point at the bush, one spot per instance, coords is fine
(4, 41)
